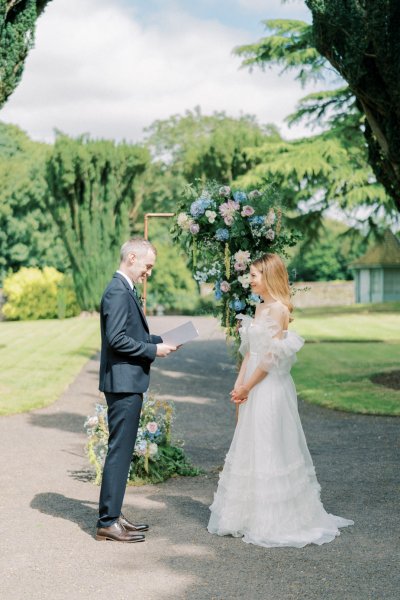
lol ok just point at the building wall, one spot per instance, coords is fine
(376, 285)
(324, 293)
(391, 285)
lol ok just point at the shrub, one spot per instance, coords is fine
(33, 293)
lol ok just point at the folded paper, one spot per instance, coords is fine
(180, 335)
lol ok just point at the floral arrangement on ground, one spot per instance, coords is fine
(222, 231)
(155, 458)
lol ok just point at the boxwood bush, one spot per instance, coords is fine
(33, 293)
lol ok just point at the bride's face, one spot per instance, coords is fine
(257, 283)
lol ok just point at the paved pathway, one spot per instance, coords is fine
(49, 508)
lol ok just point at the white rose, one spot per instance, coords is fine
(211, 215)
(153, 449)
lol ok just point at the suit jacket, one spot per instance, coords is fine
(127, 347)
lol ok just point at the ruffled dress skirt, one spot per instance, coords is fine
(268, 492)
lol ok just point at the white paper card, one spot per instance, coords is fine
(181, 334)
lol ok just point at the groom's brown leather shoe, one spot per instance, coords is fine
(117, 533)
(132, 527)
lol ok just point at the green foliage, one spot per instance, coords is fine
(328, 257)
(171, 283)
(171, 461)
(28, 237)
(205, 147)
(314, 174)
(34, 294)
(17, 33)
(360, 40)
(195, 146)
(327, 169)
(90, 191)
(289, 45)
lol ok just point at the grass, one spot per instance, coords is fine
(39, 359)
(345, 347)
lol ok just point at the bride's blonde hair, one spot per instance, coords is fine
(275, 277)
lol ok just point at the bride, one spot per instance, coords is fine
(268, 492)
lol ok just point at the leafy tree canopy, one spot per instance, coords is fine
(328, 168)
(359, 40)
(195, 146)
(328, 257)
(28, 237)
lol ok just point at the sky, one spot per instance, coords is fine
(110, 68)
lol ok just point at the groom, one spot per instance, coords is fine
(127, 351)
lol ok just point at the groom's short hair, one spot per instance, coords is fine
(136, 246)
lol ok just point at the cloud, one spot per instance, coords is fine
(98, 69)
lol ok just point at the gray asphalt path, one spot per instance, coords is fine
(49, 508)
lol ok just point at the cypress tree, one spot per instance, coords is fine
(90, 192)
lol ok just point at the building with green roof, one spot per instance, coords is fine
(377, 272)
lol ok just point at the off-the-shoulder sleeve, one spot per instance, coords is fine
(245, 321)
(274, 351)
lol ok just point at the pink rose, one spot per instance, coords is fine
(239, 266)
(225, 286)
(247, 211)
(152, 427)
(194, 228)
(227, 209)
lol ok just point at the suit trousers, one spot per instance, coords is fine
(123, 422)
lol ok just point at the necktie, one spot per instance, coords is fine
(137, 296)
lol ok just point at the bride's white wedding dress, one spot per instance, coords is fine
(268, 492)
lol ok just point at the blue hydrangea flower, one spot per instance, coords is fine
(237, 305)
(217, 290)
(206, 200)
(240, 196)
(254, 298)
(199, 206)
(141, 446)
(256, 220)
(222, 235)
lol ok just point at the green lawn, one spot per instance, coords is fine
(39, 359)
(344, 348)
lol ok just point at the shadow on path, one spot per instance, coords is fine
(70, 509)
(64, 421)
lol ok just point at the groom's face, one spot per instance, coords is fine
(141, 265)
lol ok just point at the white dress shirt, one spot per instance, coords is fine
(127, 278)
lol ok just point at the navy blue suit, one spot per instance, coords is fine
(127, 351)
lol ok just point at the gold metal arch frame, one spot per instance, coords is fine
(148, 216)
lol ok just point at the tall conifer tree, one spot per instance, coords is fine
(90, 193)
